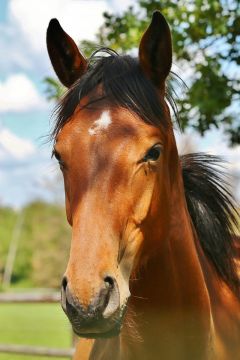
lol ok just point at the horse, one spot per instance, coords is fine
(151, 271)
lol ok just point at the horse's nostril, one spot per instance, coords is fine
(64, 283)
(63, 293)
(113, 299)
(109, 282)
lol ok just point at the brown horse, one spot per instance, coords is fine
(151, 272)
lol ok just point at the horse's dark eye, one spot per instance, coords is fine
(58, 157)
(153, 154)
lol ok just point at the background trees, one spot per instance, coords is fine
(43, 246)
(206, 43)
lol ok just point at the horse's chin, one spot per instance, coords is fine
(98, 334)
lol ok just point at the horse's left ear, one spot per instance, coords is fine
(67, 61)
(155, 50)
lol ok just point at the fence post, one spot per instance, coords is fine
(13, 249)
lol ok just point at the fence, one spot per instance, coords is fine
(53, 297)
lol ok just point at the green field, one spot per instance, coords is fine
(33, 324)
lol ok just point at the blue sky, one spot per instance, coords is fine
(26, 170)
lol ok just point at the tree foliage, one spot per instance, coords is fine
(44, 243)
(54, 90)
(206, 44)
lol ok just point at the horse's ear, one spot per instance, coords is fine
(68, 63)
(155, 50)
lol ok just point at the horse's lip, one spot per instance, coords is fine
(105, 329)
(101, 328)
(98, 334)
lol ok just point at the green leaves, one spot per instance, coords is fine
(54, 90)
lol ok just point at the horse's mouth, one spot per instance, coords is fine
(100, 328)
(98, 334)
(95, 327)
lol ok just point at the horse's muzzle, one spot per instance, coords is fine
(101, 318)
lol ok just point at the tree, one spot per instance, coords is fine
(206, 43)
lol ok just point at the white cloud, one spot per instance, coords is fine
(23, 166)
(13, 147)
(80, 18)
(122, 5)
(18, 93)
(16, 56)
(23, 35)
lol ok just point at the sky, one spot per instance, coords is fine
(27, 171)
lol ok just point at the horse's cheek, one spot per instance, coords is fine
(143, 201)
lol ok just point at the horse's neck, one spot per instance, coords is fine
(169, 311)
(170, 297)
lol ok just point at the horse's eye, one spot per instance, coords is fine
(58, 157)
(153, 153)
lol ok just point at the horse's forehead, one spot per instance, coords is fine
(101, 124)
(104, 125)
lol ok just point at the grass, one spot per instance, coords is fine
(33, 324)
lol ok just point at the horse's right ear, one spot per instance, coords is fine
(155, 51)
(67, 61)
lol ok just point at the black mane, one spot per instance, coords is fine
(122, 84)
(213, 213)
